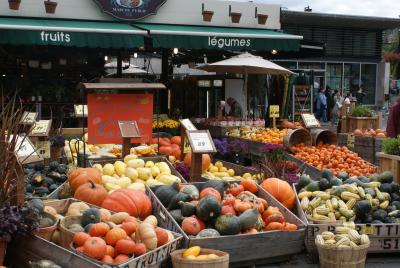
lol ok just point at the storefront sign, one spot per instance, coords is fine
(227, 42)
(274, 111)
(201, 141)
(107, 109)
(130, 9)
(56, 37)
(310, 121)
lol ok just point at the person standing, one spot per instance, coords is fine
(393, 123)
(337, 106)
(347, 102)
(322, 106)
(360, 96)
(235, 108)
(329, 102)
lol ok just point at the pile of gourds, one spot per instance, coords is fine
(218, 171)
(374, 199)
(226, 209)
(345, 236)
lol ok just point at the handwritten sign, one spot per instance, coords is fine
(187, 124)
(107, 109)
(274, 111)
(351, 141)
(129, 129)
(201, 141)
(28, 118)
(310, 121)
(367, 229)
(43, 148)
(81, 110)
(26, 151)
(41, 128)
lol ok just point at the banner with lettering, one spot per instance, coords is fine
(105, 110)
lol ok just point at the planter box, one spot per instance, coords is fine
(362, 123)
(253, 248)
(388, 162)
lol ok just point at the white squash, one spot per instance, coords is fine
(108, 179)
(123, 182)
(149, 164)
(98, 167)
(131, 173)
(153, 182)
(120, 167)
(144, 173)
(108, 169)
(136, 163)
(112, 186)
(138, 186)
(155, 171)
(164, 168)
(130, 157)
(168, 179)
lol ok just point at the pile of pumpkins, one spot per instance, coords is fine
(169, 146)
(378, 133)
(374, 199)
(218, 208)
(41, 180)
(217, 171)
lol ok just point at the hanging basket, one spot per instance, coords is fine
(50, 7)
(262, 19)
(207, 15)
(14, 4)
(235, 17)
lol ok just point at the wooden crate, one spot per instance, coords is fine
(252, 248)
(365, 148)
(314, 172)
(385, 238)
(378, 148)
(342, 139)
(388, 162)
(362, 123)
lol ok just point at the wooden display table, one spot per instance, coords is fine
(389, 162)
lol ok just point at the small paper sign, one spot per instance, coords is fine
(367, 229)
(310, 121)
(187, 124)
(26, 151)
(351, 141)
(186, 146)
(201, 141)
(274, 111)
(43, 148)
(28, 118)
(41, 128)
(129, 129)
(81, 110)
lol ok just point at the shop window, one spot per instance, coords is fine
(351, 78)
(368, 82)
(334, 75)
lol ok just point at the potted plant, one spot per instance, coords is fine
(389, 159)
(207, 15)
(57, 143)
(50, 6)
(235, 17)
(362, 117)
(14, 4)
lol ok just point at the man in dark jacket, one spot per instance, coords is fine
(393, 123)
(235, 108)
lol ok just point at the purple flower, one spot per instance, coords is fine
(292, 177)
(183, 170)
(221, 145)
(238, 146)
(268, 147)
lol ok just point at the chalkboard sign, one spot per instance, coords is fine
(274, 111)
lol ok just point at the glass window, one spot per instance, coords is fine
(311, 65)
(368, 83)
(334, 75)
(351, 81)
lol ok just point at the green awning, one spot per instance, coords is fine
(207, 37)
(19, 31)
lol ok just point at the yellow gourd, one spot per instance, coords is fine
(164, 168)
(123, 182)
(112, 187)
(136, 163)
(108, 179)
(98, 167)
(144, 173)
(147, 235)
(108, 169)
(194, 251)
(138, 186)
(130, 157)
(155, 171)
(119, 217)
(168, 179)
(131, 173)
(153, 182)
(120, 168)
(202, 257)
(149, 164)
(152, 220)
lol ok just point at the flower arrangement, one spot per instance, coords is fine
(221, 145)
(57, 141)
(168, 123)
(182, 169)
(238, 146)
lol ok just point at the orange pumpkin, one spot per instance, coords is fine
(281, 190)
(129, 227)
(229, 199)
(380, 135)
(99, 229)
(165, 142)
(358, 132)
(91, 193)
(79, 249)
(249, 185)
(107, 259)
(110, 251)
(134, 202)
(80, 176)
(290, 227)
(274, 218)
(80, 238)
(114, 235)
(95, 247)
(228, 209)
(121, 258)
(210, 191)
(176, 140)
(162, 236)
(166, 150)
(191, 226)
(140, 249)
(125, 246)
(205, 161)
(235, 189)
(270, 211)
(274, 226)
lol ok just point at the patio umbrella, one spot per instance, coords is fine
(246, 63)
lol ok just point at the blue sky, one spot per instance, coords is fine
(380, 8)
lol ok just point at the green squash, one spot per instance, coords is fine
(53, 165)
(312, 186)
(386, 177)
(46, 222)
(91, 215)
(327, 174)
(324, 184)
(228, 224)
(353, 180)
(335, 182)
(374, 177)
(208, 208)
(191, 191)
(343, 176)
(380, 215)
(48, 181)
(188, 209)
(177, 215)
(304, 181)
(179, 197)
(386, 187)
(248, 219)
(370, 191)
(260, 224)
(87, 227)
(206, 233)
(218, 185)
(41, 191)
(37, 204)
(165, 193)
(54, 175)
(362, 208)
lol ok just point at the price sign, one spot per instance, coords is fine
(43, 148)
(41, 128)
(81, 110)
(186, 146)
(25, 150)
(129, 129)
(274, 111)
(367, 229)
(28, 118)
(351, 141)
(310, 121)
(187, 124)
(201, 141)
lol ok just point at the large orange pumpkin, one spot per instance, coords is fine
(134, 202)
(95, 247)
(166, 150)
(91, 193)
(205, 161)
(281, 190)
(80, 176)
(176, 140)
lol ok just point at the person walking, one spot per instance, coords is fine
(322, 106)
(337, 106)
(393, 122)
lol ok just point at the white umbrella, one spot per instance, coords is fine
(246, 63)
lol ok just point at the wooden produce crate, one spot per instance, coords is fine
(365, 148)
(384, 237)
(389, 162)
(342, 139)
(250, 249)
(378, 148)
(304, 167)
(362, 123)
